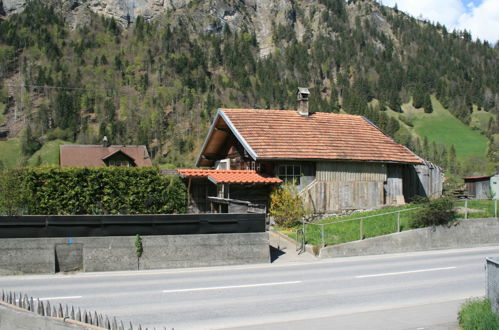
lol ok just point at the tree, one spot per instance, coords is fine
(452, 164)
(428, 107)
(29, 144)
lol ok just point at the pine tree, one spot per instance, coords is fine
(428, 107)
(452, 163)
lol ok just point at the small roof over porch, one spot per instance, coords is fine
(229, 176)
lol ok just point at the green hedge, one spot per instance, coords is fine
(113, 190)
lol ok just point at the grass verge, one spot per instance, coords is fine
(477, 315)
(338, 230)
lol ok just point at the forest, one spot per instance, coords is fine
(159, 82)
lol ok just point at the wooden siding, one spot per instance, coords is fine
(199, 191)
(256, 194)
(479, 189)
(346, 186)
(394, 186)
(333, 196)
(423, 180)
(344, 171)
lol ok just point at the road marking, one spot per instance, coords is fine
(407, 272)
(60, 298)
(231, 287)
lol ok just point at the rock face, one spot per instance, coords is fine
(260, 16)
(12, 6)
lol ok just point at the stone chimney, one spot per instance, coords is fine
(105, 142)
(302, 96)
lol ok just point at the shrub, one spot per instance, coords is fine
(13, 193)
(113, 190)
(477, 315)
(286, 206)
(435, 212)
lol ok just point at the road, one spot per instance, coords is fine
(399, 291)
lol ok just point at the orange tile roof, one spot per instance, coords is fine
(284, 134)
(229, 176)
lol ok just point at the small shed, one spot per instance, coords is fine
(227, 191)
(478, 187)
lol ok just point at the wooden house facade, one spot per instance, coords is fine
(338, 161)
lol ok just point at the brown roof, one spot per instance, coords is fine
(94, 155)
(229, 176)
(284, 134)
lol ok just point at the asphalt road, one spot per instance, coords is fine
(399, 291)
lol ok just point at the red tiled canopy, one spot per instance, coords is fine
(284, 134)
(229, 176)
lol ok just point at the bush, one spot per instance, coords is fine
(113, 190)
(286, 206)
(13, 193)
(435, 212)
(477, 315)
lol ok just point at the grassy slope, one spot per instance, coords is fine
(49, 153)
(442, 127)
(336, 231)
(10, 152)
(480, 119)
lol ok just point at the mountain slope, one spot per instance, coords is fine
(67, 70)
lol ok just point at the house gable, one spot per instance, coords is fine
(119, 158)
(223, 139)
(96, 155)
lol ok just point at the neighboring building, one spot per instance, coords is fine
(482, 187)
(77, 155)
(338, 161)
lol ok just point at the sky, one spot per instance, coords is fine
(480, 17)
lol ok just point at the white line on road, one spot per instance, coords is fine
(407, 272)
(60, 298)
(232, 287)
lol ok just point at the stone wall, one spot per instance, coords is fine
(466, 233)
(47, 255)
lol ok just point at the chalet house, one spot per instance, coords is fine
(103, 155)
(338, 161)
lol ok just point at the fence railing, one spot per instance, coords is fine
(358, 228)
(477, 208)
(340, 231)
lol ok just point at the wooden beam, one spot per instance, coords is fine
(189, 193)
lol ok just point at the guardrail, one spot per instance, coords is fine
(361, 220)
(325, 233)
(478, 208)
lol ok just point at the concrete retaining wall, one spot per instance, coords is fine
(15, 318)
(493, 283)
(47, 255)
(466, 233)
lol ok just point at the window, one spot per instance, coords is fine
(119, 163)
(289, 173)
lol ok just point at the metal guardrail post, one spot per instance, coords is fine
(361, 229)
(398, 222)
(465, 209)
(322, 235)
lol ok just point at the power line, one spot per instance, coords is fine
(61, 87)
